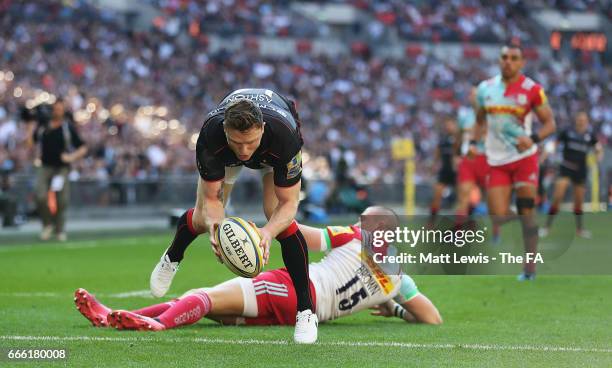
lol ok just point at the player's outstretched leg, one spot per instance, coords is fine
(295, 256)
(184, 311)
(91, 308)
(164, 271)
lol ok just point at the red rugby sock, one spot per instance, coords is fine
(155, 310)
(187, 310)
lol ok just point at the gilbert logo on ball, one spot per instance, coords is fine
(239, 246)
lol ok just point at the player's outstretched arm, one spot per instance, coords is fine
(410, 305)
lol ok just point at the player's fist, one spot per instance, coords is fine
(214, 242)
(523, 143)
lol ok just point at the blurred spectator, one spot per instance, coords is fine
(139, 98)
(58, 145)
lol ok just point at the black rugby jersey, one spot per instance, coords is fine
(446, 145)
(280, 146)
(576, 146)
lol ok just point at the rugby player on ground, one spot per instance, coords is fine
(504, 110)
(342, 284)
(576, 142)
(259, 129)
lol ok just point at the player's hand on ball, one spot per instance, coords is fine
(523, 143)
(264, 243)
(213, 241)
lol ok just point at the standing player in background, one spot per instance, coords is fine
(472, 170)
(446, 153)
(259, 129)
(576, 142)
(504, 109)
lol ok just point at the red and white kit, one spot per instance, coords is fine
(343, 282)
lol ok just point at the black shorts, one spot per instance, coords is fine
(577, 177)
(447, 177)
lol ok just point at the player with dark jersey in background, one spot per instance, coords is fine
(259, 129)
(576, 142)
(445, 153)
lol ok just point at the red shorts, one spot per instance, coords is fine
(276, 299)
(473, 170)
(523, 171)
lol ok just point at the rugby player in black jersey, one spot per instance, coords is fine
(576, 142)
(259, 129)
(446, 154)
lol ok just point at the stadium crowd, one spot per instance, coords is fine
(139, 98)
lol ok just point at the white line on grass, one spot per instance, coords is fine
(32, 295)
(403, 345)
(80, 244)
(128, 294)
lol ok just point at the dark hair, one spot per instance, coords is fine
(242, 115)
(513, 45)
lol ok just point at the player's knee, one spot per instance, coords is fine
(525, 205)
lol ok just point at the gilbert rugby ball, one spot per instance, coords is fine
(239, 246)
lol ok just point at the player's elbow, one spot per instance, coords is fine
(432, 319)
(436, 320)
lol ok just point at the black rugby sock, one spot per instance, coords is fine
(182, 238)
(295, 256)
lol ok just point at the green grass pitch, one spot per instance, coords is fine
(556, 321)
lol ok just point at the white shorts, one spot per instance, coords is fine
(232, 173)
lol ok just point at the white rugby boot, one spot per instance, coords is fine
(306, 324)
(162, 275)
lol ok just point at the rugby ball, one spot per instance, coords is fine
(239, 247)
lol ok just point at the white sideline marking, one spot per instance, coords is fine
(34, 294)
(79, 244)
(406, 345)
(128, 294)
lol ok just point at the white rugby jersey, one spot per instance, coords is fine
(344, 281)
(509, 109)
